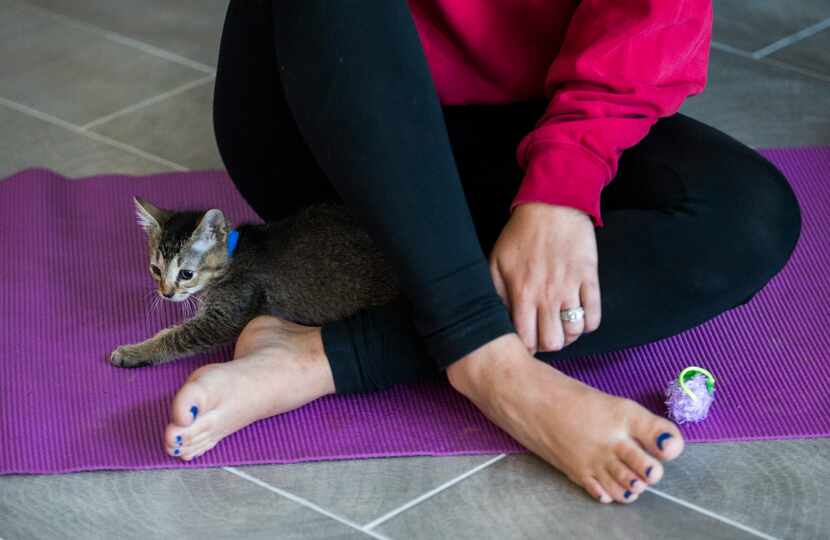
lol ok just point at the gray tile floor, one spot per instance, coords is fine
(97, 86)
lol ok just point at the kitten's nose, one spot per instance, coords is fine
(168, 295)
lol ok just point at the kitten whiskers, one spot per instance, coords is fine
(153, 297)
(191, 305)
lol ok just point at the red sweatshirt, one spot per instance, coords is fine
(610, 68)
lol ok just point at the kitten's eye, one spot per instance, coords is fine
(185, 275)
(155, 270)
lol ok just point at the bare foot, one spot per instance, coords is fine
(278, 366)
(610, 446)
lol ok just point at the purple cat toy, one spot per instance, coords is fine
(690, 395)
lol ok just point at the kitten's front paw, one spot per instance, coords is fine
(128, 356)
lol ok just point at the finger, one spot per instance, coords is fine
(501, 289)
(549, 328)
(524, 316)
(572, 329)
(592, 303)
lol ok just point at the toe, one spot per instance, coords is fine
(175, 436)
(190, 400)
(192, 435)
(594, 489)
(190, 411)
(611, 486)
(625, 477)
(204, 435)
(659, 436)
(648, 469)
(198, 395)
(198, 450)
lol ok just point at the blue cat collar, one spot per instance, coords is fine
(233, 239)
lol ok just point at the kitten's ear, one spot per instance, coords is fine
(150, 217)
(211, 229)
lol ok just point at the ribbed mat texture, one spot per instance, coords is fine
(74, 284)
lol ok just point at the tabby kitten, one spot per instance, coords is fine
(314, 267)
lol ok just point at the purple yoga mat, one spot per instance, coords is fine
(74, 284)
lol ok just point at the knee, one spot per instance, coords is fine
(772, 214)
(760, 223)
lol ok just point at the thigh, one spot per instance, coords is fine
(259, 142)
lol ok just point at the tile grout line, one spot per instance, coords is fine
(769, 61)
(723, 47)
(304, 502)
(147, 102)
(19, 107)
(797, 69)
(389, 515)
(792, 39)
(150, 49)
(711, 514)
(122, 39)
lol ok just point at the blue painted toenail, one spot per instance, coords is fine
(662, 437)
(627, 494)
(632, 482)
(178, 439)
(648, 471)
(194, 410)
(177, 452)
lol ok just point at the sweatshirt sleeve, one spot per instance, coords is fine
(623, 65)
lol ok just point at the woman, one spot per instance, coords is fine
(455, 129)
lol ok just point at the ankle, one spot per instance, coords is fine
(321, 367)
(483, 369)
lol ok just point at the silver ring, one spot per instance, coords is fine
(572, 314)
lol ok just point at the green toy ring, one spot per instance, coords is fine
(690, 372)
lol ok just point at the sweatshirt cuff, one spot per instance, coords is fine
(563, 174)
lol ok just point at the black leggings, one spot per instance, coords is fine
(319, 100)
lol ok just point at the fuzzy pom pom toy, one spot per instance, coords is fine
(690, 395)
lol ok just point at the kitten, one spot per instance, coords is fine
(314, 267)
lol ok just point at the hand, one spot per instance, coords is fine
(544, 261)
